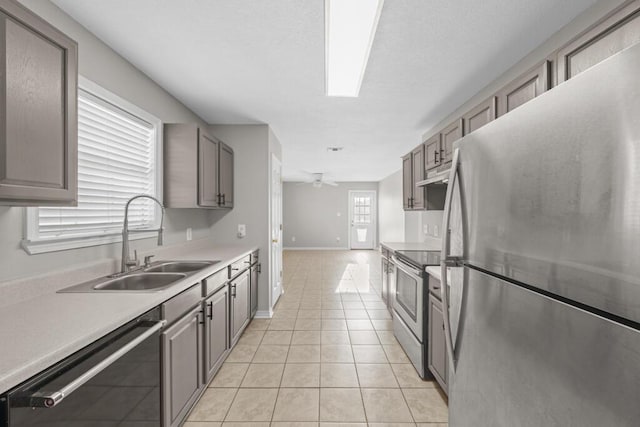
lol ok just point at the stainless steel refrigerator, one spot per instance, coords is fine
(543, 256)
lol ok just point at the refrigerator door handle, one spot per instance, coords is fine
(447, 260)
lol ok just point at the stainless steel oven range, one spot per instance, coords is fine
(410, 305)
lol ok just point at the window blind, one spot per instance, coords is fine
(116, 161)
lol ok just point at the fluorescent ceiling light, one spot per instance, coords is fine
(350, 26)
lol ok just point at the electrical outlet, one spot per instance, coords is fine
(242, 230)
(293, 238)
(337, 239)
(189, 234)
(425, 229)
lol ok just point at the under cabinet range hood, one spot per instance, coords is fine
(435, 177)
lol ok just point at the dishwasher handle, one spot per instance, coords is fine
(47, 399)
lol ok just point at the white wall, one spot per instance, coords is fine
(311, 214)
(100, 64)
(252, 146)
(390, 212)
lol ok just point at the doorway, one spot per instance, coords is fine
(276, 230)
(363, 221)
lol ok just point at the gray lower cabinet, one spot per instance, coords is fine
(255, 278)
(216, 330)
(38, 115)
(239, 288)
(182, 352)
(437, 350)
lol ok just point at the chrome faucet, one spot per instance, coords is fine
(127, 263)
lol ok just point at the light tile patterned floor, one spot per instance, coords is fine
(327, 358)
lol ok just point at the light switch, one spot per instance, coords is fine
(189, 234)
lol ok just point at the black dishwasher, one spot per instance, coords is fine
(114, 381)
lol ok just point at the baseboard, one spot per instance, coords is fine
(263, 314)
(341, 248)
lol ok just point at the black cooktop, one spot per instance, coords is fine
(419, 259)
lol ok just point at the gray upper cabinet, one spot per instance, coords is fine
(479, 116)
(524, 88)
(619, 31)
(449, 135)
(226, 176)
(407, 182)
(432, 152)
(38, 118)
(182, 363)
(417, 159)
(208, 149)
(198, 169)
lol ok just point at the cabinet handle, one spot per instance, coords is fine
(435, 156)
(210, 305)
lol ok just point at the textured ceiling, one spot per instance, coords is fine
(259, 61)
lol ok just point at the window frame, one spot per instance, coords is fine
(32, 245)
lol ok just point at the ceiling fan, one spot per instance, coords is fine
(317, 180)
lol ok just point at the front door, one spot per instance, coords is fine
(276, 230)
(362, 219)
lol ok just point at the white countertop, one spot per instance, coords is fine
(430, 245)
(434, 271)
(41, 331)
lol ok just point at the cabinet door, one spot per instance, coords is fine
(207, 171)
(417, 159)
(182, 366)
(239, 305)
(449, 135)
(432, 153)
(407, 182)
(524, 88)
(255, 277)
(617, 32)
(216, 330)
(226, 175)
(479, 116)
(38, 116)
(437, 347)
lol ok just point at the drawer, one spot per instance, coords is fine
(181, 303)
(435, 287)
(214, 282)
(239, 266)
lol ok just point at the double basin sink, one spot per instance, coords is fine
(156, 277)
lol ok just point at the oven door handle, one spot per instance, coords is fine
(48, 399)
(407, 269)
